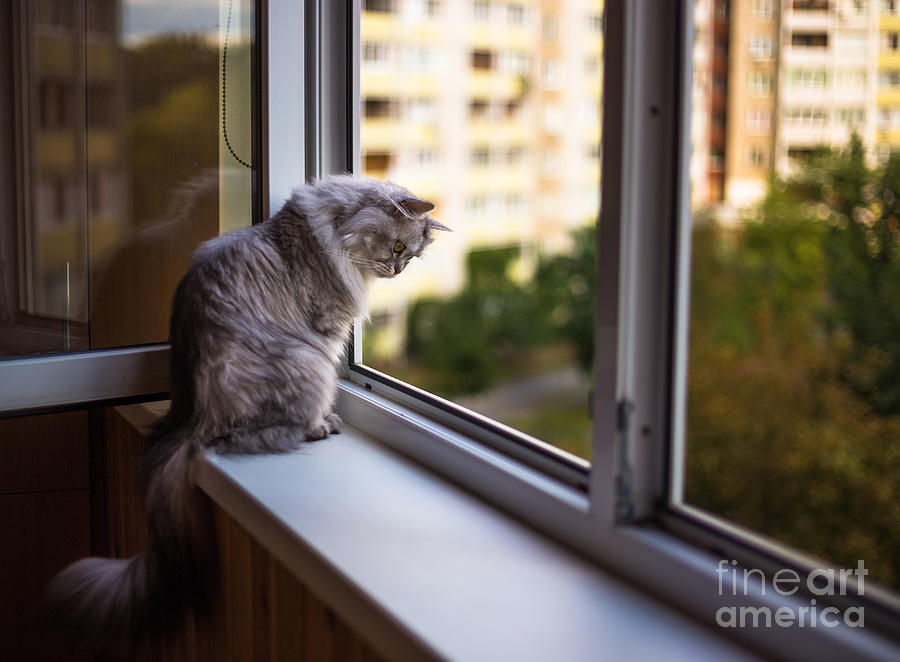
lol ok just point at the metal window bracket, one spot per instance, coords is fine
(624, 483)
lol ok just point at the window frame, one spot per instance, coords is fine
(624, 520)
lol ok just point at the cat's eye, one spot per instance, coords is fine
(398, 247)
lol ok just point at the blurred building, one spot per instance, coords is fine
(67, 160)
(777, 78)
(490, 109)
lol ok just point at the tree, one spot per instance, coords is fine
(792, 352)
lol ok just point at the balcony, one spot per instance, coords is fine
(489, 83)
(888, 96)
(889, 59)
(385, 83)
(889, 22)
(386, 134)
(806, 19)
(888, 136)
(508, 131)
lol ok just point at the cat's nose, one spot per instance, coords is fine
(398, 268)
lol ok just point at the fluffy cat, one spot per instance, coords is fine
(259, 323)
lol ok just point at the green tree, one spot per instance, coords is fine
(792, 352)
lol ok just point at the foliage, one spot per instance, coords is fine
(794, 367)
(469, 342)
(465, 340)
(792, 426)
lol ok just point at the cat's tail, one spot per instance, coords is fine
(124, 602)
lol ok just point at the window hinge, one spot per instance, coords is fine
(624, 493)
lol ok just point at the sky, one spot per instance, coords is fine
(142, 19)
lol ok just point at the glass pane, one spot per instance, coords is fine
(114, 165)
(491, 110)
(793, 424)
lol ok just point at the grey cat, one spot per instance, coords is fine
(259, 324)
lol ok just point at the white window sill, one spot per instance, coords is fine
(424, 570)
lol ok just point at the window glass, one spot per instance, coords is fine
(793, 391)
(113, 163)
(502, 133)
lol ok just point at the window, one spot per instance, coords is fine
(758, 120)
(888, 79)
(760, 82)
(378, 163)
(421, 59)
(890, 41)
(382, 6)
(90, 245)
(426, 158)
(763, 10)
(760, 47)
(809, 40)
(478, 323)
(851, 78)
(808, 78)
(852, 116)
(781, 406)
(480, 156)
(482, 59)
(551, 74)
(551, 28)
(378, 53)
(380, 107)
(516, 14)
(889, 118)
(756, 156)
(806, 115)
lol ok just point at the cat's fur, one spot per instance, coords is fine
(259, 323)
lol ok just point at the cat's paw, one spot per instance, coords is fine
(334, 423)
(317, 432)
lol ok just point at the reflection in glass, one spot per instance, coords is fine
(113, 165)
(492, 113)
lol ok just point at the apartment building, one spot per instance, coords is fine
(753, 70)
(491, 109)
(800, 73)
(827, 76)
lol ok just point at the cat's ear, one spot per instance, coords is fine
(416, 206)
(434, 225)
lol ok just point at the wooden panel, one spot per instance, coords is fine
(45, 452)
(259, 612)
(287, 632)
(42, 533)
(119, 447)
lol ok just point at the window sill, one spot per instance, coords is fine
(424, 570)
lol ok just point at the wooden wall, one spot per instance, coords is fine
(262, 613)
(44, 524)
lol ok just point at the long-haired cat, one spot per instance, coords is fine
(259, 324)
